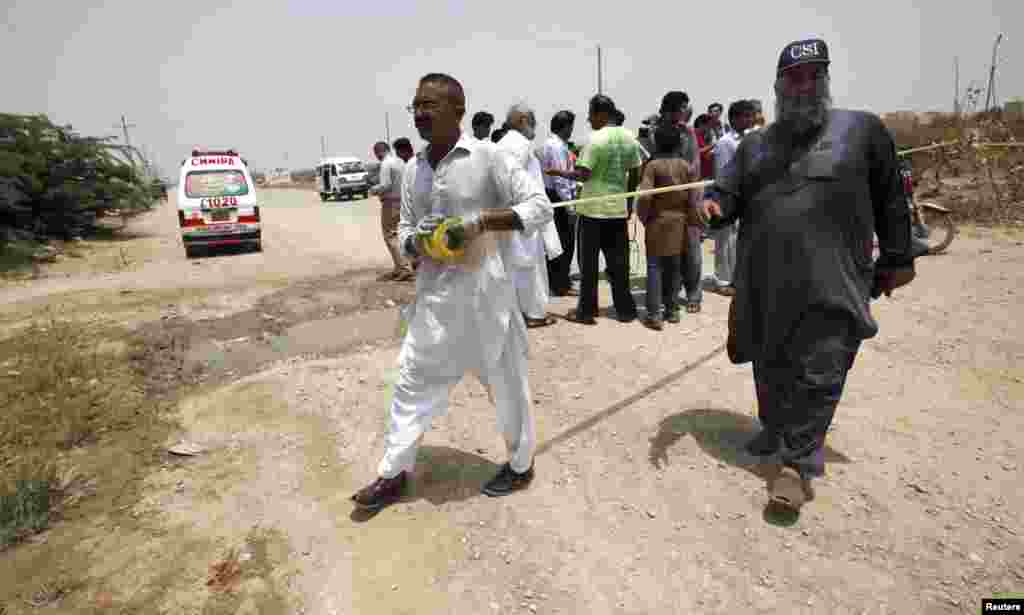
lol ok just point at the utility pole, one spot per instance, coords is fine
(129, 150)
(956, 85)
(124, 127)
(387, 128)
(323, 147)
(992, 72)
(599, 69)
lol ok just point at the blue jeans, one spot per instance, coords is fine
(662, 285)
(692, 265)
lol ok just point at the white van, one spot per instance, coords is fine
(342, 176)
(217, 203)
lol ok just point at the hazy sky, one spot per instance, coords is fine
(270, 78)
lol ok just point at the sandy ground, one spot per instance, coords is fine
(644, 501)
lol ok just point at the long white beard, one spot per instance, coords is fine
(803, 115)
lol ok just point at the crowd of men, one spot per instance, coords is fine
(793, 211)
(708, 144)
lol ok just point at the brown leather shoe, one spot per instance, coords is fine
(380, 493)
(571, 316)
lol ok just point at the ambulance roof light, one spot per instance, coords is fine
(200, 152)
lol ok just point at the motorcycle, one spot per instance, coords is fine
(927, 239)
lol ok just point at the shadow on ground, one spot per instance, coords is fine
(722, 434)
(443, 474)
(225, 250)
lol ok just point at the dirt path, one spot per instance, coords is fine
(644, 501)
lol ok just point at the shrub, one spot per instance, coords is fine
(56, 182)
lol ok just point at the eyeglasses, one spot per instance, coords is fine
(427, 105)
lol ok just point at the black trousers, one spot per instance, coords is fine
(560, 268)
(611, 237)
(799, 386)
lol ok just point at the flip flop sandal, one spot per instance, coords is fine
(387, 277)
(405, 276)
(533, 323)
(789, 490)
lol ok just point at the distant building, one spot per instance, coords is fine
(279, 175)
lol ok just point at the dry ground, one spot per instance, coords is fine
(278, 365)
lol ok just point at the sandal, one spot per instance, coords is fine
(790, 490)
(693, 308)
(405, 276)
(533, 323)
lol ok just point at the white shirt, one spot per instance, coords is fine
(389, 188)
(529, 249)
(725, 149)
(467, 308)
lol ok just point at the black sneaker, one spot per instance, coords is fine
(508, 481)
(768, 442)
(673, 317)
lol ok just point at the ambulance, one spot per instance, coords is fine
(217, 203)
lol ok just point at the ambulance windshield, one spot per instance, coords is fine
(205, 184)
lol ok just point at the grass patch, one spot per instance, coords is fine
(16, 258)
(59, 392)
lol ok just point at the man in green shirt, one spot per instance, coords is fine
(609, 165)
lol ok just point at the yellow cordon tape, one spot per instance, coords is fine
(437, 248)
(709, 182)
(592, 199)
(925, 148)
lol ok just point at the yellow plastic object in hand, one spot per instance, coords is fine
(437, 248)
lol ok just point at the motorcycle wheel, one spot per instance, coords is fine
(942, 232)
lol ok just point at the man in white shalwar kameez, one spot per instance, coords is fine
(527, 254)
(466, 316)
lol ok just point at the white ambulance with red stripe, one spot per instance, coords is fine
(217, 203)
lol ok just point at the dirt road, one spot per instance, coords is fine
(644, 502)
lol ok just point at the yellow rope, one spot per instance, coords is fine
(709, 182)
(623, 195)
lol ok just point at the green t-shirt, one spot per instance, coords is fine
(612, 152)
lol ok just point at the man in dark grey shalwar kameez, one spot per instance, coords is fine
(809, 191)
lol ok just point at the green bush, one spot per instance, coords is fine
(25, 510)
(56, 182)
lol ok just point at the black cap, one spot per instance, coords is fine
(808, 51)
